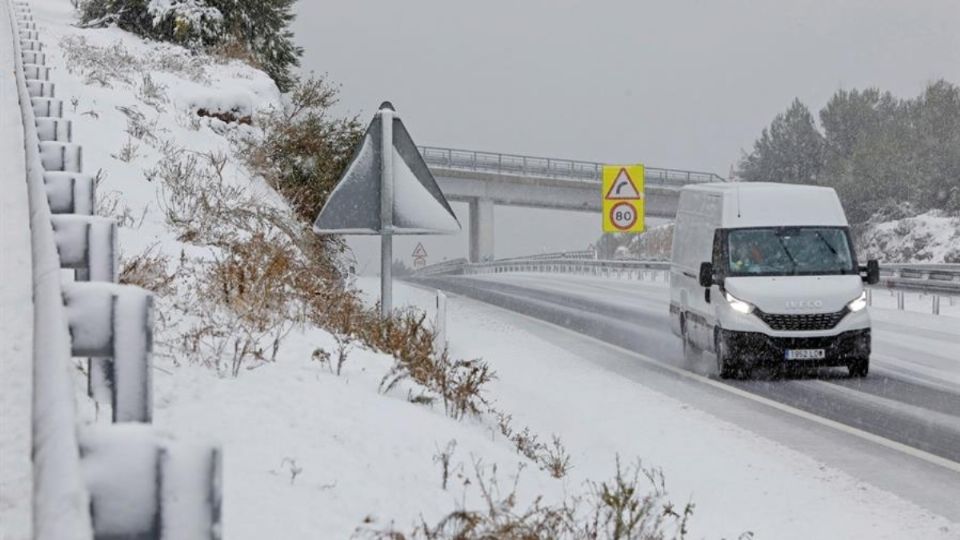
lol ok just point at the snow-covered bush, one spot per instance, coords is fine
(930, 237)
(258, 27)
(106, 65)
(304, 148)
(192, 23)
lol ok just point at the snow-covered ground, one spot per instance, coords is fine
(932, 237)
(739, 481)
(309, 454)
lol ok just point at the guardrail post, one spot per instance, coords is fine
(58, 156)
(936, 304)
(54, 129)
(869, 296)
(144, 485)
(900, 300)
(87, 244)
(70, 193)
(115, 322)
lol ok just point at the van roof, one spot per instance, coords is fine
(763, 204)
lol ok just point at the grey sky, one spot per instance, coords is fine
(683, 84)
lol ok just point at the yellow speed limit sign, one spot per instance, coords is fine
(623, 198)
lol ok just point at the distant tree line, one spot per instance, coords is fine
(253, 30)
(887, 157)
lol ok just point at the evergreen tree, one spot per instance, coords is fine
(790, 150)
(935, 117)
(259, 27)
(263, 28)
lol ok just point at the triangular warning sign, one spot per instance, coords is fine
(419, 252)
(623, 187)
(419, 206)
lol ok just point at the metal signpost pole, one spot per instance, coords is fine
(386, 212)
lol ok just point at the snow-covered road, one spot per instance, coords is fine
(898, 429)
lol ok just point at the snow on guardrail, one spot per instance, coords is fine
(130, 482)
(60, 499)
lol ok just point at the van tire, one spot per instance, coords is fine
(859, 368)
(725, 368)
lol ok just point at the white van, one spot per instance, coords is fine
(766, 273)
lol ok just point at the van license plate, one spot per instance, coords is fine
(806, 354)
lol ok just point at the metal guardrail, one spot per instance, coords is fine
(93, 317)
(932, 278)
(586, 254)
(60, 505)
(943, 279)
(520, 165)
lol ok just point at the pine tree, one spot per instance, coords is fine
(790, 150)
(263, 28)
(259, 27)
(935, 116)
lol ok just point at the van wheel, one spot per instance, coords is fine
(859, 368)
(725, 368)
(691, 353)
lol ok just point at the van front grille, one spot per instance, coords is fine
(809, 322)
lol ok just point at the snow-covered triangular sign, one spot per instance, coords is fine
(419, 206)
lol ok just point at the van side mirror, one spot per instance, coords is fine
(872, 270)
(706, 274)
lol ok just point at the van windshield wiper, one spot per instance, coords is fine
(787, 251)
(830, 247)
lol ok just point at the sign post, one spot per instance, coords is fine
(386, 189)
(623, 208)
(386, 212)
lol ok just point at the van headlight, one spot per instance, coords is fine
(858, 303)
(737, 304)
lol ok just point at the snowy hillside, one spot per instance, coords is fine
(932, 237)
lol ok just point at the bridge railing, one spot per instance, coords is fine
(543, 167)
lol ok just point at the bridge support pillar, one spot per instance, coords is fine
(481, 230)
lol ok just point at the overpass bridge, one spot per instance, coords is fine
(485, 179)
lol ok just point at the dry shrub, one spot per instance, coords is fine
(631, 505)
(148, 270)
(556, 459)
(552, 458)
(113, 63)
(459, 383)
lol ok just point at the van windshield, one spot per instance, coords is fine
(784, 251)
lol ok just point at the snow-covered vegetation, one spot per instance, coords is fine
(931, 237)
(253, 30)
(877, 150)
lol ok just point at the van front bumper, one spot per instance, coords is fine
(753, 348)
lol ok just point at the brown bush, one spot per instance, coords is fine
(622, 508)
(148, 270)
